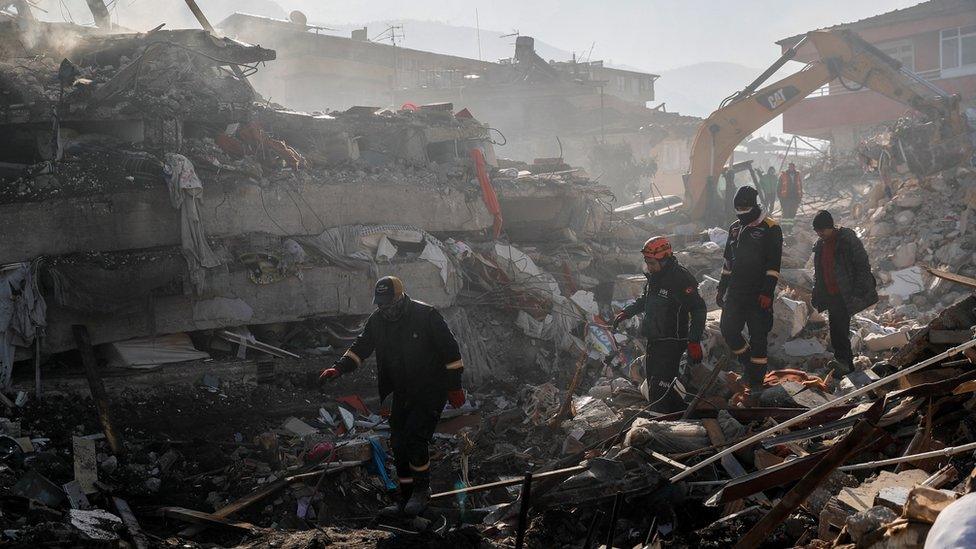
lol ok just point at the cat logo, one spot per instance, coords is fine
(774, 99)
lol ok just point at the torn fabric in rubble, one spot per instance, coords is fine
(186, 194)
(22, 311)
(357, 247)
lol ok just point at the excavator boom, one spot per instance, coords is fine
(843, 55)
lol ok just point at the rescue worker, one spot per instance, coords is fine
(418, 360)
(843, 284)
(790, 195)
(767, 184)
(674, 320)
(753, 253)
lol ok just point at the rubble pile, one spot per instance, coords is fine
(182, 258)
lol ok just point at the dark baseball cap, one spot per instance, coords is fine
(388, 289)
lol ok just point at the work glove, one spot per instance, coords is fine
(695, 352)
(329, 374)
(765, 302)
(456, 397)
(720, 300)
(621, 316)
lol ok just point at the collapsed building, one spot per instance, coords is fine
(581, 111)
(181, 258)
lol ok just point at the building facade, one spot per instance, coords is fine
(543, 108)
(935, 39)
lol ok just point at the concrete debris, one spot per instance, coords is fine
(182, 256)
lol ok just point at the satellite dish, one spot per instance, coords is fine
(298, 18)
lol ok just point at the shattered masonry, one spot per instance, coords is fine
(181, 257)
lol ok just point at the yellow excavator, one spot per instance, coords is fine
(844, 56)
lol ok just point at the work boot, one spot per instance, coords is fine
(841, 366)
(396, 510)
(417, 503)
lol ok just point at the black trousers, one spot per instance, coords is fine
(741, 311)
(412, 424)
(840, 329)
(663, 358)
(790, 205)
(661, 365)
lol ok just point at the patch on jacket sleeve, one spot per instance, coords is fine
(690, 290)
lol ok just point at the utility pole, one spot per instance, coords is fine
(477, 24)
(394, 31)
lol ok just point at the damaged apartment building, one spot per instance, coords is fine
(588, 113)
(153, 196)
(185, 246)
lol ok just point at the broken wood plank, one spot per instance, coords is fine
(131, 523)
(208, 519)
(824, 467)
(730, 464)
(819, 409)
(510, 482)
(953, 277)
(238, 505)
(83, 340)
(942, 477)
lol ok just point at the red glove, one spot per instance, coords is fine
(456, 397)
(695, 351)
(765, 302)
(329, 374)
(621, 316)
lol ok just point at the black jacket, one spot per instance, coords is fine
(672, 306)
(753, 255)
(417, 356)
(852, 271)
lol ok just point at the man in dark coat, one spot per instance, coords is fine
(843, 283)
(674, 320)
(753, 253)
(418, 360)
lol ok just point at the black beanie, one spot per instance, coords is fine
(745, 197)
(823, 220)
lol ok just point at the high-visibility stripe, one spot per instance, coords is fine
(771, 272)
(726, 272)
(354, 356)
(456, 365)
(420, 468)
(759, 360)
(742, 350)
(405, 480)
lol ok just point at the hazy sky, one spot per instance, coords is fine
(648, 34)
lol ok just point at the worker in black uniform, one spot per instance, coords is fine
(418, 360)
(674, 319)
(753, 253)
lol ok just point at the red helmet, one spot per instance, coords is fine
(656, 247)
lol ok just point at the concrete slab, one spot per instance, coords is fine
(323, 291)
(145, 219)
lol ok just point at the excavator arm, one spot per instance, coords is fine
(844, 56)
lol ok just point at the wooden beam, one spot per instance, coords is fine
(208, 519)
(730, 464)
(83, 340)
(131, 523)
(825, 406)
(824, 467)
(953, 277)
